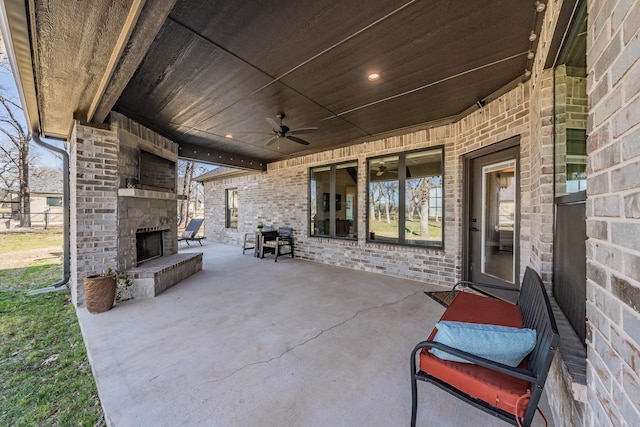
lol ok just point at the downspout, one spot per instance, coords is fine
(66, 210)
(17, 43)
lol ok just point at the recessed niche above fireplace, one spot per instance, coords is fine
(156, 173)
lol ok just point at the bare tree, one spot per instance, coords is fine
(186, 169)
(423, 197)
(413, 197)
(375, 200)
(389, 192)
(15, 156)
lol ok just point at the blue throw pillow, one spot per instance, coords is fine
(501, 344)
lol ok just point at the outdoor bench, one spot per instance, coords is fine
(510, 393)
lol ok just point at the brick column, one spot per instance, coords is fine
(613, 214)
(94, 192)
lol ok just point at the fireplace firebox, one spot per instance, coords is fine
(148, 245)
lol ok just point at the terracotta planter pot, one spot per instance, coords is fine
(99, 293)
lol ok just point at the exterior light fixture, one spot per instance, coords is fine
(532, 36)
(373, 76)
(540, 6)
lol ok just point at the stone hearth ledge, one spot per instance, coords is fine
(156, 276)
(149, 194)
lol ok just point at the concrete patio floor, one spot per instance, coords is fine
(250, 342)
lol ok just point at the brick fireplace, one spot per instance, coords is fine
(124, 204)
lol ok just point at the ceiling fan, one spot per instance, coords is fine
(282, 131)
(382, 169)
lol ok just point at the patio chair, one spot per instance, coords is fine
(251, 240)
(276, 241)
(190, 233)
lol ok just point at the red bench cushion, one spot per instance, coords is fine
(492, 387)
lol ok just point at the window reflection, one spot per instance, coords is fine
(320, 185)
(383, 199)
(499, 189)
(334, 200)
(423, 219)
(232, 208)
(346, 208)
(405, 198)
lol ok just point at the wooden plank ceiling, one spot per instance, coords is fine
(219, 67)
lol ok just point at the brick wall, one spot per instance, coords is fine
(94, 193)
(280, 197)
(613, 213)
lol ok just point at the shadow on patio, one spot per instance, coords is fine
(253, 342)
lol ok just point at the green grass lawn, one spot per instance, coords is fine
(45, 378)
(11, 243)
(385, 231)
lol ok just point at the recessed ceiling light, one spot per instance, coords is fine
(229, 136)
(530, 55)
(532, 36)
(540, 6)
(373, 76)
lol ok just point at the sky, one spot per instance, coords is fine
(43, 157)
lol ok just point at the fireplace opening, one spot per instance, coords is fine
(148, 245)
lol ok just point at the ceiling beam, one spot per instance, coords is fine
(149, 22)
(205, 155)
(123, 38)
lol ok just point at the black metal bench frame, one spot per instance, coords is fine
(536, 313)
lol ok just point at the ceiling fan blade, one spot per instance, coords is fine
(271, 141)
(302, 131)
(298, 140)
(379, 173)
(275, 126)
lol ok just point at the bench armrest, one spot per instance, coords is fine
(476, 286)
(481, 361)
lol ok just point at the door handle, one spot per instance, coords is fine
(474, 229)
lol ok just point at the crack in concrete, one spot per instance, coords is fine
(264, 362)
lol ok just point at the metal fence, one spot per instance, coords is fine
(46, 219)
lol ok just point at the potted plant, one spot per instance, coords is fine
(124, 286)
(260, 226)
(100, 290)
